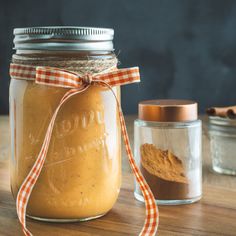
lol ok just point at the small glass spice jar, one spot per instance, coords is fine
(167, 143)
(222, 133)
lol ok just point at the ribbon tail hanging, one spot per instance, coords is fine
(29, 182)
(152, 214)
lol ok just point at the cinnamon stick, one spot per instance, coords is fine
(224, 112)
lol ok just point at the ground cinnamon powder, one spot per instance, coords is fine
(164, 172)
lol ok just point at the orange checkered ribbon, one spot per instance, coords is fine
(78, 83)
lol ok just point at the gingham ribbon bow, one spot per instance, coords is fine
(77, 84)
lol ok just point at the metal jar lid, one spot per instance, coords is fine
(222, 126)
(220, 121)
(168, 110)
(64, 38)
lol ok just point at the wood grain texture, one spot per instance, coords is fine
(214, 215)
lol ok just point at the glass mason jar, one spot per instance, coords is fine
(167, 146)
(81, 177)
(222, 133)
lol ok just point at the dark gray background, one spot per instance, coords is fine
(185, 48)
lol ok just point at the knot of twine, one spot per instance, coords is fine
(87, 79)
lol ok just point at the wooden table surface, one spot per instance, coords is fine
(214, 215)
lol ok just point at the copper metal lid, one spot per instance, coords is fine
(168, 110)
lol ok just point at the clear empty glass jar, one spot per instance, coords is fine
(222, 133)
(167, 143)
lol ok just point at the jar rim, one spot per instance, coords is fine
(220, 121)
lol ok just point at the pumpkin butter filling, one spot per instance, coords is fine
(81, 176)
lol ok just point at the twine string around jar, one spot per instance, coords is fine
(79, 83)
